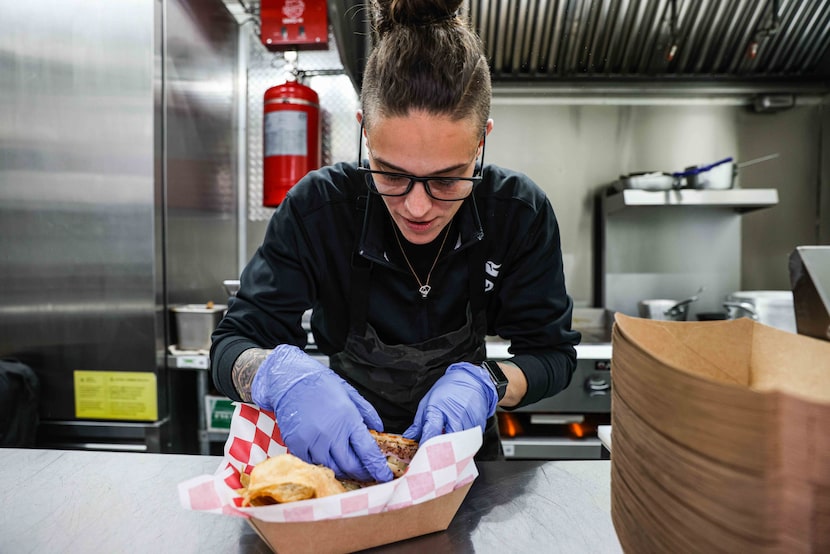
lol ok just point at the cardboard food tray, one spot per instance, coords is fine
(424, 500)
(721, 387)
(720, 440)
(334, 536)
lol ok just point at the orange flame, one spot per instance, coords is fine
(508, 425)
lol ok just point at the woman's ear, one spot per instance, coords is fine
(487, 128)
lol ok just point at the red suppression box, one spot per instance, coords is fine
(290, 24)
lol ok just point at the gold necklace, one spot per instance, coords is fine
(423, 288)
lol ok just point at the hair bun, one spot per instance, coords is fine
(390, 13)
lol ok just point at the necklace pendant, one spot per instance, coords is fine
(424, 290)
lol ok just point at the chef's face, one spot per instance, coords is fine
(423, 144)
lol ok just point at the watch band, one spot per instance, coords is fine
(497, 376)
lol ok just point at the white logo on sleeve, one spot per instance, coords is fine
(492, 269)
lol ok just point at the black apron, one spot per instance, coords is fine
(394, 378)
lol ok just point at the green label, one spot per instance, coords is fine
(221, 413)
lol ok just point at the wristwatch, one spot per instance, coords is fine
(497, 376)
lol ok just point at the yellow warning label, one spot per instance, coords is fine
(128, 395)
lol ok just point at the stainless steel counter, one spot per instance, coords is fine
(80, 501)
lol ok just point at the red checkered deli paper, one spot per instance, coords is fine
(441, 465)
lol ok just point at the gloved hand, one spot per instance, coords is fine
(322, 419)
(463, 398)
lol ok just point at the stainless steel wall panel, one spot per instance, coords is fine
(76, 189)
(200, 98)
(770, 235)
(666, 252)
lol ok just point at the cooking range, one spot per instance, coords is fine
(564, 427)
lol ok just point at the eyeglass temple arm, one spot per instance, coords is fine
(360, 145)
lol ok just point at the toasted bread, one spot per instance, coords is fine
(286, 478)
(398, 450)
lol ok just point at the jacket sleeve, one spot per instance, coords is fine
(534, 311)
(276, 288)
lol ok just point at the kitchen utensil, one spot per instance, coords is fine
(754, 161)
(659, 308)
(770, 307)
(718, 175)
(682, 307)
(664, 309)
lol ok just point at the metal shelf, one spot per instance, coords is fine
(181, 359)
(740, 200)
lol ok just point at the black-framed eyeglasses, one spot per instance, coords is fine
(444, 189)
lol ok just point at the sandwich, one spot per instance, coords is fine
(286, 478)
(398, 450)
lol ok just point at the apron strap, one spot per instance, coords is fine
(361, 270)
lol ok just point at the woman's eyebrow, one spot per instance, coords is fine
(394, 167)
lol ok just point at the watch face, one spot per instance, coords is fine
(498, 377)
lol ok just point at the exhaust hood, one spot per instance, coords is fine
(748, 43)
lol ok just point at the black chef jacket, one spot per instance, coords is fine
(305, 263)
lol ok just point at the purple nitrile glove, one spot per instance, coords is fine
(463, 398)
(322, 419)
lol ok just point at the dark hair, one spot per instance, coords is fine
(425, 57)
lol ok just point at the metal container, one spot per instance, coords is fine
(770, 307)
(195, 323)
(669, 310)
(718, 175)
(664, 309)
(231, 286)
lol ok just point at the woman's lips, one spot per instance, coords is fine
(418, 226)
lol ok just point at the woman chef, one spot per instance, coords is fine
(407, 259)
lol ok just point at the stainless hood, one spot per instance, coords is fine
(744, 42)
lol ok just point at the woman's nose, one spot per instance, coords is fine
(418, 202)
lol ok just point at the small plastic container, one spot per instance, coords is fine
(195, 323)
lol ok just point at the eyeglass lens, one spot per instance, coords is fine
(441, 189)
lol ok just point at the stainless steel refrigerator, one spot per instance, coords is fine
(117, 201)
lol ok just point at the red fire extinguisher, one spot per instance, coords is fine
(291, 145)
